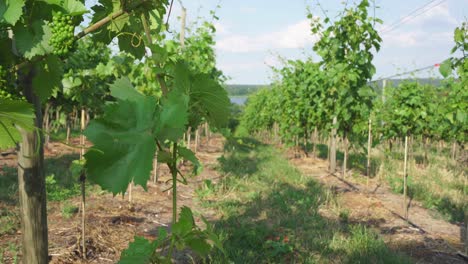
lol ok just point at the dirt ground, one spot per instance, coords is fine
(423, 237)
(112, 222)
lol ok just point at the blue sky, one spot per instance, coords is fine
(251, 34)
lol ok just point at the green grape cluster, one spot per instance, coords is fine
(63, 38)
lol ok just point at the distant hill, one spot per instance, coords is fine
(247, 89)
(395, 82)
(243, 89)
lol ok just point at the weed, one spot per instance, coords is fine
(9, 222)
(69, 210)
(344, 216)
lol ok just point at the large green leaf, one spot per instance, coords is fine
(72, 7)
(185, 224)
(124, 145)
(32, 40)
(171, 121)
(190, 156)
(14, 114)
(139, 251)
(446, 68)
(123, 89)
(212, 99)
(11, 11)
(48, 77)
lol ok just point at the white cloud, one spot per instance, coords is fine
(430, 28)
(294, 36)
(221, 29)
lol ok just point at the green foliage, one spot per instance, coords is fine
(185, 234)
(69, 210)
(9, 222)
(455, 115)
(406, 111)
(123, 140)
(11, 11)
(346, 48)
(14, 114)
(58, 192)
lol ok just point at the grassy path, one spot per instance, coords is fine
(269, 212)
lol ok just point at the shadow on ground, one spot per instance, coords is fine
(273, 215)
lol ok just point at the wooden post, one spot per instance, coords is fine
(31, 183)
(384, 84)
(189, 136)
(182, 28)
(47, 125)
(405, 177)
(197, 139)
(345, 158)
(333, 148)
(369, 146)
(68, 131)
(315, 142)
(83, 185)
(207, 134)
(130, 190)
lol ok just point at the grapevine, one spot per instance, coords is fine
(63, 39)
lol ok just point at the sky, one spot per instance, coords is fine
(252, 35)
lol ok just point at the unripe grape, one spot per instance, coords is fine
(63, 39)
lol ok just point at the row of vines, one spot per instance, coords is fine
(334, 98)
(132, 89)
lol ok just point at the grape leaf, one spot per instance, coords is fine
(48, 77)
(190, 156)
(74, 7)
(132, 44)
(185, 223)
(139, 251)
(69, 83)
(14, 113)
(123, 89)
(32, 40)
(11, 11)
(198, 244)
(124, 145)
(446, 68)
(212, 100)
(171, 121)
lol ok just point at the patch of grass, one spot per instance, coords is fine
(61, 184)
(9, 222)
(61, 135)
(8, 185)
(271, 215)
(9, 254)
(436, 185)
(361, 245)
(69, 210)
